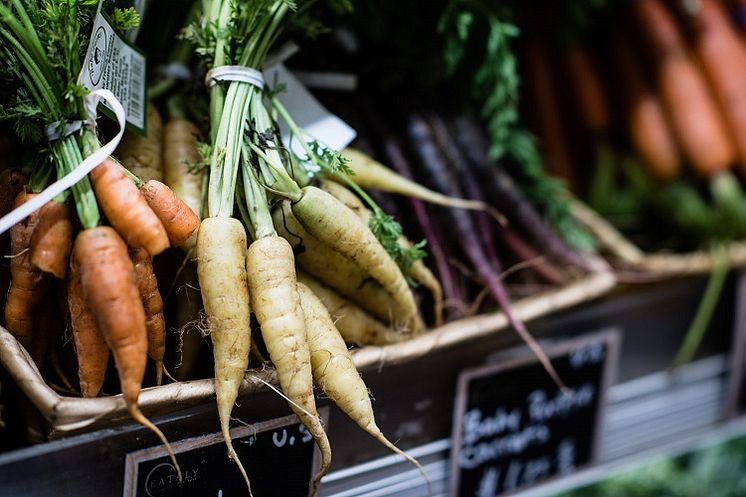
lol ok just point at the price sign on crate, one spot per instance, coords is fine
(280, 458)
(513, 427)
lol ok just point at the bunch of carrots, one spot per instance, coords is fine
(658, 106)
(289, 234)
(91, 245)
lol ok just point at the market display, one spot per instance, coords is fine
(172, 216)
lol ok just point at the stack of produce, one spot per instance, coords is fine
(289, 237)
(652, 133)
(253, 187)
(91, 245)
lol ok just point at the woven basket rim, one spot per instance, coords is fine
(72, 414)
(657, 263)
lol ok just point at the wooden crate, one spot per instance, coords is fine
(68, 415)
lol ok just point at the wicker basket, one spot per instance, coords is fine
(627, 255)
(71, 414)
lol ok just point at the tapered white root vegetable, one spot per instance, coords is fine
(143, 154)
(274, 298)
(418, 271)
(335, 372)
(326, 218)
(340, 273)
(354, 324)
(221, 268)
(180, 138)
(371, 174)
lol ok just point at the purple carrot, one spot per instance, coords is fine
(507, 197)
(435, 164)
(525, 252)
(470, 186)
(433, 234)
(435, 241)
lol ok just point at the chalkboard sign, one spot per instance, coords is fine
(514, 427)
(736, 404)
(279, 456)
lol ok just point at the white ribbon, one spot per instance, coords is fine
(66, 182)
(234, 73)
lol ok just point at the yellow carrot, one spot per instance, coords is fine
(270, 268)
(335, 372)
(326, 218)
(418, 271)
(221, 268)
(340, 273)
(354, 324)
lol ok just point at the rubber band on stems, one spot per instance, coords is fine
(242, 74)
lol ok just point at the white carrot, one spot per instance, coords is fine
(354, 324)
(274, 298)
(221, 267)
(335, 372)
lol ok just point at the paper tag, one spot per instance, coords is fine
(327, 80)
(307, 112)
(113, 64)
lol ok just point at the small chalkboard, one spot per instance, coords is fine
(736, 404)
(279, 456)
(513, 427)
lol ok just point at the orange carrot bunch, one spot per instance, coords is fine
(666, 80)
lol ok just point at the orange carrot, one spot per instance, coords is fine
(587, 88)
(723, 59)
(697, 124)
(12, 181)
(90, 346)
(552, 138)
(177, 217)
(52, 240)
(26, 287)
(108, 279)
(126, 208)
(152, 303)
(647, 124)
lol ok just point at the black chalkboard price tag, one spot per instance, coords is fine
(279, 455)
(513, 427)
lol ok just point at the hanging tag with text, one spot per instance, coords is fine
(113, 63)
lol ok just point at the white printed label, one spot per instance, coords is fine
(113, 64)
(307, 112)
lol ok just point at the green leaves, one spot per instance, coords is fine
(388, 231)
(477, 48)
(328, 159)
(125, 19)
(43, 41)
(491, 66)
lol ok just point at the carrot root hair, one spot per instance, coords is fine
(138, 416)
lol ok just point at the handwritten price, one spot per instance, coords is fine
(281, 437)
